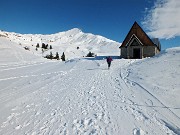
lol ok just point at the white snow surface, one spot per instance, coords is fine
(81, 96)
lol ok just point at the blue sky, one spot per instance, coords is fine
(109, 18)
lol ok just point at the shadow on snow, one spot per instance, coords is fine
(101, 57)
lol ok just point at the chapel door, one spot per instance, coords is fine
(136, 53)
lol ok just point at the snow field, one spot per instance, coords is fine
(82, 97)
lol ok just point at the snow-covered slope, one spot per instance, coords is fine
(11, 52)
(67, 42)
(82, 97)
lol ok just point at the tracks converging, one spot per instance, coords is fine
(85, 98)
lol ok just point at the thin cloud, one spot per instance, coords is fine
(163, 20)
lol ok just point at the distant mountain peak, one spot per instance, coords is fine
(74, 31)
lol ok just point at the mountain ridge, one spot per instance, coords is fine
(67, 41)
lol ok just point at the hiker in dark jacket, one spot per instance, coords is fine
(109, 59)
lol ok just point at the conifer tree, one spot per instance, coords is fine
(37, 45)
(51, 55)
(50, 47)
(43, 45)
(63, 57)
(46, 46)
(57, 56)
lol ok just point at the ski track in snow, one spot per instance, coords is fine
(149, 99)
(22, 65)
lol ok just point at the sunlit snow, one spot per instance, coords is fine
(81, 96)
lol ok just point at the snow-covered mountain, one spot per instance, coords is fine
(74, 43)
(81, 96)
